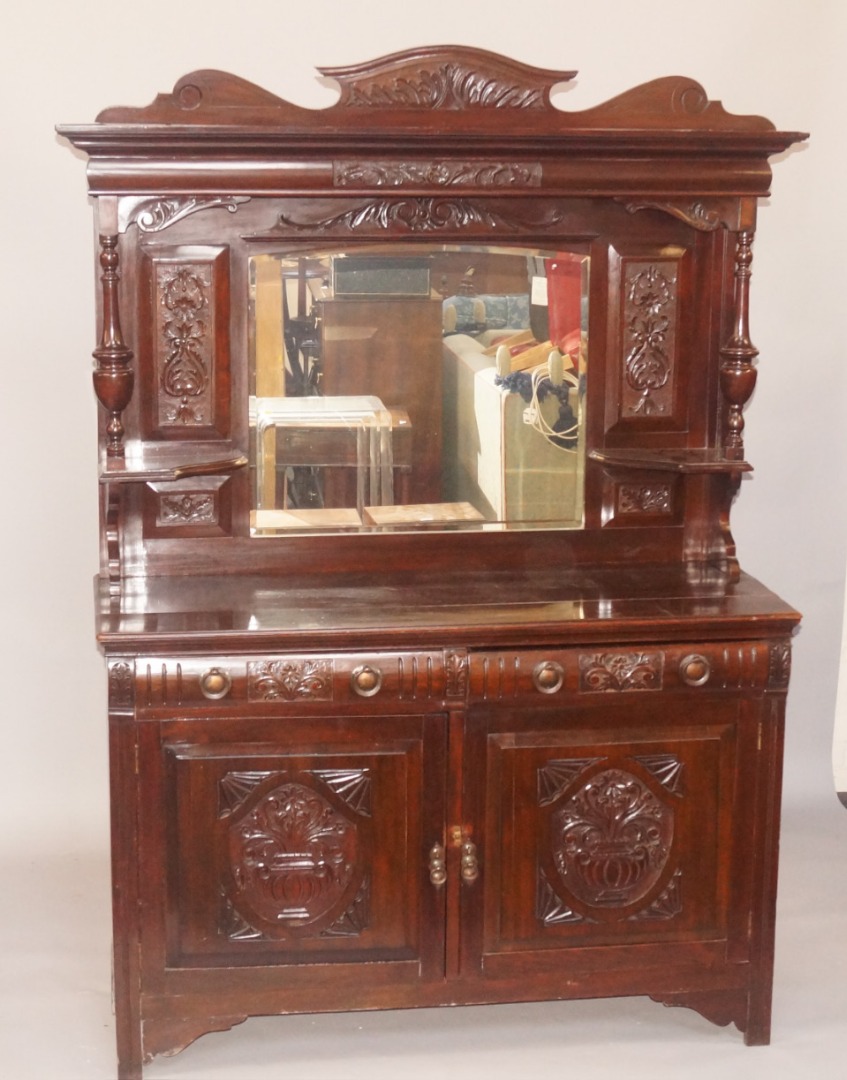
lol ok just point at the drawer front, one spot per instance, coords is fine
(298, 680)
(446, 676)
(629, 669)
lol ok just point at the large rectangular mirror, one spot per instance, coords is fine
(409, 387)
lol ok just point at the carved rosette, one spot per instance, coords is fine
(184, 345)
(621, 672)
(399, 174)
(293, 858)
(611, 840)
(289, 680)
(649, 314)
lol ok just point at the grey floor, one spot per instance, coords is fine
(56, 1021)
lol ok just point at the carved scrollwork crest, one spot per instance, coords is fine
(157, 214)
(427, 79)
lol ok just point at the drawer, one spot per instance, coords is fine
(630, 669)
(296, 679)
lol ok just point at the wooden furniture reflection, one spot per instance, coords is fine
(390, 348)
(448, 766)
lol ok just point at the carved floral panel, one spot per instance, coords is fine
(649, 314)
(611, 840)
(184, 340)
(620, 672)
(289, 680)
(293, 857)
(184, 344)
(636, 499)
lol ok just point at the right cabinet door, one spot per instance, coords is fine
(619, 841)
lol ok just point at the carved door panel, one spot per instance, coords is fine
(302, 842)
(612, 826)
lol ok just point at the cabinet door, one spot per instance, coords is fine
(611, 836)
(295, 844)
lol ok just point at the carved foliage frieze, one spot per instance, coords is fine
(649, 336)
(189, 508)
(292, 856)
(411, 214)
(399, 174)
(154, 215)
(289, 680)
(637, 499)
(611, 840)
(620, 672)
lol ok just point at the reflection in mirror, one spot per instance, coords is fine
(431, 386)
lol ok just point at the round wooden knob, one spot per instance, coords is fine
(366, 680)
(548, 676)
(694, 670)
(215, 683)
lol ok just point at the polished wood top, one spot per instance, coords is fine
(475, 609)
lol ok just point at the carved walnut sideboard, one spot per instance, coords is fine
(433, 676)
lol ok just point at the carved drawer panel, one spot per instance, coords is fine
(628, 669)
(295, 679)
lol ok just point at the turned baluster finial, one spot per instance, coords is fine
(737, 374)
(113, 377)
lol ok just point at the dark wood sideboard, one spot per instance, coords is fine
(464, 757)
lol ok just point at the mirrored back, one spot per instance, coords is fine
(401, 387)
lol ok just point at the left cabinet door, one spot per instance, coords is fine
(297, 848)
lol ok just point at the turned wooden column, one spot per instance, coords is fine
(737, 373)
(113, 377)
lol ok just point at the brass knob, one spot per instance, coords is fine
(470, 862)
(548, 676)
(366, 680)
(437, 865)
(215, 683)
(694, 670)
